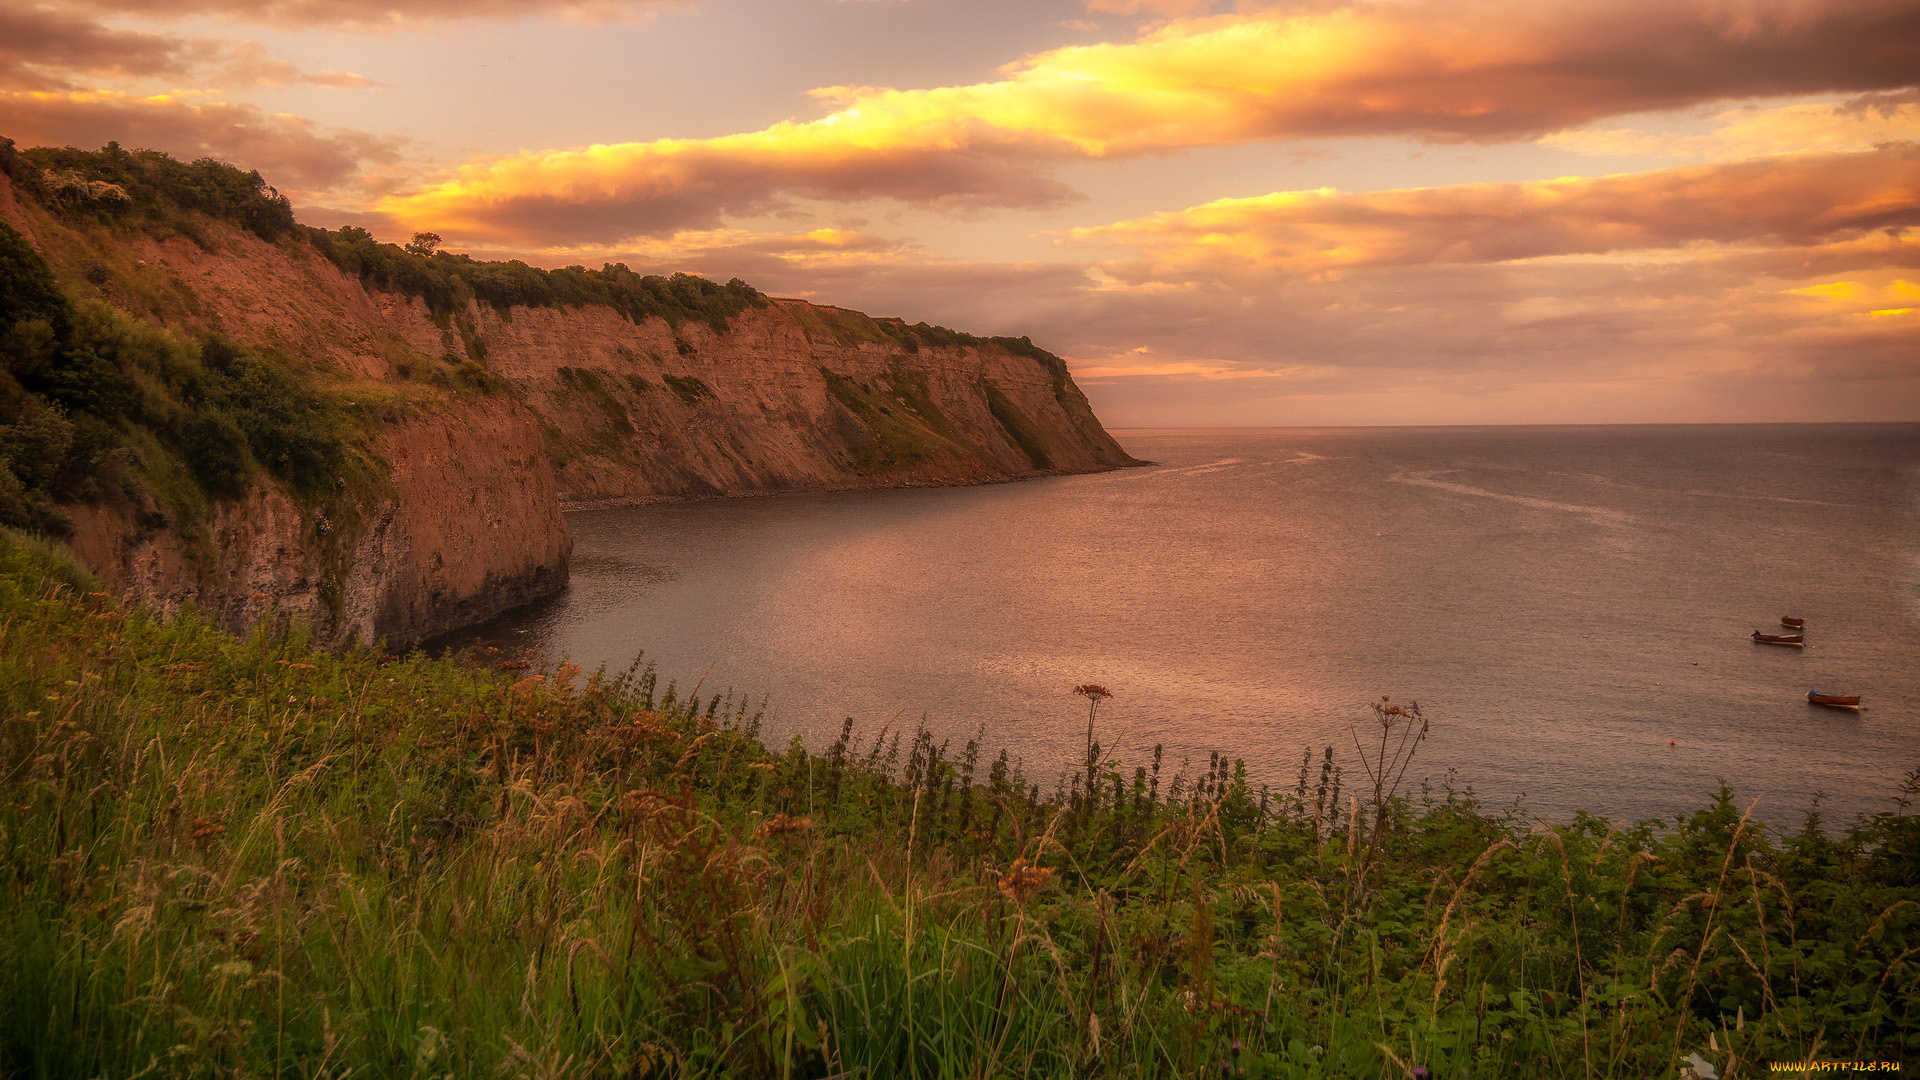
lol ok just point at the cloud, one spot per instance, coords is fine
(1753, 132)
(248, 63)
(788, 255)
(373, 15)
(1803, 199)
(1631, 298)
(41, 49)
(1481, 70)
(670, 185)
(1757, 328)
(1177, 9)
(1699, 340)
(293, 153)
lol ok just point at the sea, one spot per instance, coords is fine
(1570, 607)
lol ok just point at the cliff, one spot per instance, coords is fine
(476, 420)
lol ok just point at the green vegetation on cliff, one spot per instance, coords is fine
(97, 407)
(448, 282)
(149, 190)
(226, 857)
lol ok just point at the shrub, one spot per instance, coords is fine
(156, 189)
(216, 450)
(446, 283)
(293, 432)
(87, 391)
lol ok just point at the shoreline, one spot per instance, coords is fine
(568, 507)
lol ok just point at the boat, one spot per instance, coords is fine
(1792, 623)
(1797, 641)
(1834, 701)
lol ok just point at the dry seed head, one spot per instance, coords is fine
(1022, 883)
(641, 800)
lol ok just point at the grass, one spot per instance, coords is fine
(901, 426)
(247, 857)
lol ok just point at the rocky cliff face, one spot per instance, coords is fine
(578, 405)
(470, 527)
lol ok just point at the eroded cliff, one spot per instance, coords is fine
(480, 420)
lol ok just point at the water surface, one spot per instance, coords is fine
(1563, 602)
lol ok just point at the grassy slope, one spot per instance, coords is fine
(227, 857)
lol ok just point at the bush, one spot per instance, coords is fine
(216, 450)
(446, 283)
(293, 432)
(84, 384)
(156, 189)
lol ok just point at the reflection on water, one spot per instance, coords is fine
(1563, 601)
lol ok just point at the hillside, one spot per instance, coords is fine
(427, 417)
(246, 858)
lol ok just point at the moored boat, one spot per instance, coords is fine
(1797, 641)
(1833, 701)
(1792, 623)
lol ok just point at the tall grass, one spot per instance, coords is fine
(248, 857)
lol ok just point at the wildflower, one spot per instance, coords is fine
(1022, 883)
(1095, 694)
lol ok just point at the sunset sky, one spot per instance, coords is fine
(1322, 212)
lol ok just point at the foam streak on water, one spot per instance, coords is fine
(1562, 601)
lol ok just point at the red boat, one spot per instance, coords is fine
(1792, 623)
(1796, 641)
(1834, 701)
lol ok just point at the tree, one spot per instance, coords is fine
(423, 243)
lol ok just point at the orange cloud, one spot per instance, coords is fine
(1704, 332)
(293, 153)
(1790, 200)
(40, 49)
(1702, 339)
(1486, 70)
(1751, 132)
(248, 62)
(370, 14)
(1168, 8)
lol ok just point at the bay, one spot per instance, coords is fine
(1570, 607)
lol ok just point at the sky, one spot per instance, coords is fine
(1258, 213)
